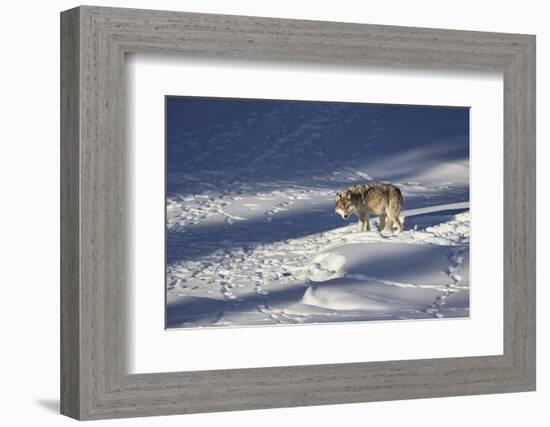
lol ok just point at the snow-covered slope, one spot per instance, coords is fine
(252, 237)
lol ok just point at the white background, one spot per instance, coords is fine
(154, 350)
(29, 243)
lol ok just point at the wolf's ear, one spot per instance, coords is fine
(338, 196)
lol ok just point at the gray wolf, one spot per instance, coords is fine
(384, 200)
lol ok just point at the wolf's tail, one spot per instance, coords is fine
(396, 199)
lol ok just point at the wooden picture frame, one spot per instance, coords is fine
(94, 382)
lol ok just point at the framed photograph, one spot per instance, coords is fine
(261, 213)
(253, 186)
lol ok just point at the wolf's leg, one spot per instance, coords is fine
(389, 224)
(367, 221)
(399, 224)
(363, 219)
(361, 223)
(382, 222)
(395, 219)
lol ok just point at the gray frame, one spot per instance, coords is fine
(94, 383)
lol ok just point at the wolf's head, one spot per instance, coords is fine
(344, 204)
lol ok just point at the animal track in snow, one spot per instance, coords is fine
(456, 259)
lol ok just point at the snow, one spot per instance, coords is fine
(252, 236)
(413, 280)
